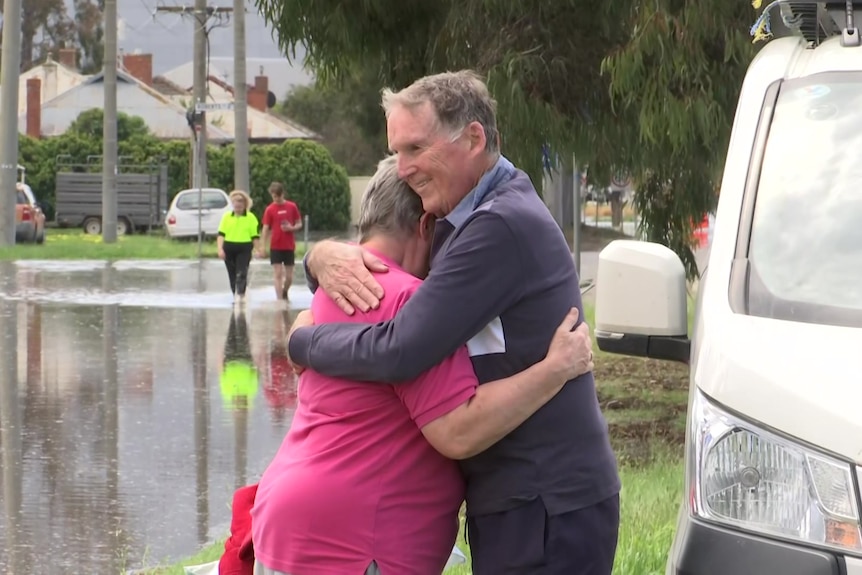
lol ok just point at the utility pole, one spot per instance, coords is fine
(576, 215)
(240, 100)
(202, 14)
(10, 60)
(569, 188)
(201, 82)
(109, 127)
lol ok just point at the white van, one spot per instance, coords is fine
(774, 447)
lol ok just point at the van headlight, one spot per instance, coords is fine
(751, 479)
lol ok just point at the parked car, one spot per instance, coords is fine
(181, 220)
(773, 471)
(29, 218)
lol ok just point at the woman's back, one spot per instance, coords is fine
(355, 480)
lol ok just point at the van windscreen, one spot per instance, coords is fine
(805, 250)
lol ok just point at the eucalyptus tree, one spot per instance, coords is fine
(646, 86)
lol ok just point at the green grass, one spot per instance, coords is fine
(649, 503)
(645, 403)
(206, 555)
(75, 245)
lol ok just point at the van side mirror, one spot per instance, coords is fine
(641, 301)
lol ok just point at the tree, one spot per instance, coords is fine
(347, 116)
(647, 86)
(45, 26)
(89, 34)
(90, 123)
(312, 178)
(677, 79)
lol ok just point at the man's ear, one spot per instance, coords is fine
(426, 226)
(476, 134)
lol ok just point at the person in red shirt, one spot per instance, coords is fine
(281, 219)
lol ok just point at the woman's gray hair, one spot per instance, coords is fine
(458, 99)
(388, 204)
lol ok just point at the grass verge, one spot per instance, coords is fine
(644, 402)
(75, 245)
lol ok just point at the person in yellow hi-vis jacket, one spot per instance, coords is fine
(238, 239)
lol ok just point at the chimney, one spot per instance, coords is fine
(139, 66)
(256, 100)
(261, 84)
(258, 94)
(50, 87)
(34, 107)
(69, 57)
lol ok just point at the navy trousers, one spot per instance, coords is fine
(529, 541)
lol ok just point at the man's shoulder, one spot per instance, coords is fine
(515, 202)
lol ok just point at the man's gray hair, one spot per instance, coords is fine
(388, 204)
(458, 98)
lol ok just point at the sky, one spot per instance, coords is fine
(169, 37)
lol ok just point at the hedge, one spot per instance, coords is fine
(311, 177)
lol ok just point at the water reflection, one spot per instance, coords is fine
(10, 437)
(279, 381)
(113, 446)
(238, 383)
(201, 421)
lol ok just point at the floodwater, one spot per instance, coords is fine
(123, 435)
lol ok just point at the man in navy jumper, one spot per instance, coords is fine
(543, 500)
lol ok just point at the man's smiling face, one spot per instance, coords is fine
(436, 164)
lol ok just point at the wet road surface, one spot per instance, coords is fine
(133, 401)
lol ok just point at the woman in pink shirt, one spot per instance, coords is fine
(365, 481)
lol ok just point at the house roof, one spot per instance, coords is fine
(164, 117)
(262, 125)
(168, 88)
(283, 75)
(56, 79)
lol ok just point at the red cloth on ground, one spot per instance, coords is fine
(238, 556)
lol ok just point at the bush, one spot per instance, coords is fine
(312, 178)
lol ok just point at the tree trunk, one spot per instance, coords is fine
(27, 35)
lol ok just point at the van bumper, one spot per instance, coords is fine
(704, 549)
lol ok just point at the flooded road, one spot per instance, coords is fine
(133, 401)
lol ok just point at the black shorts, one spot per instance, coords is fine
(286, 257)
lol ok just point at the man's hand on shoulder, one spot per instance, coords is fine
(344, 273)
(303, 319)
(571, 352)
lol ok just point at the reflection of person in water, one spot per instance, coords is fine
(238, 380)
(279, 386)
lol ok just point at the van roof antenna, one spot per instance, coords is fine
(850, 34)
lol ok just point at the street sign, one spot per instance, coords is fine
(213, 107)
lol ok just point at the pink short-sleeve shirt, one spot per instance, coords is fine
(355, 480)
